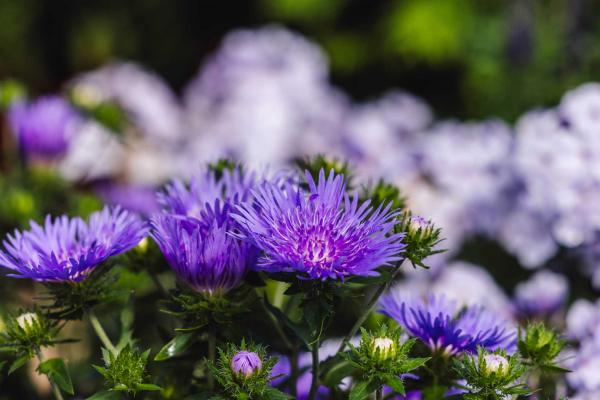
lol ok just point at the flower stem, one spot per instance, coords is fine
(380, 290)
(294, 371)
(55, 389)
(159, 286)
(315, 371)
(212, 352)
(101, 333)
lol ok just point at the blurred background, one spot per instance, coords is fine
(467, 58)
(485, 113)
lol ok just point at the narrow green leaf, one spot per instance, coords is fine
(396, 384)
(359, 391)
(147, 387)
(414, 363)
(178, 345)
(274, 394)
(18, 363)
(57, 372)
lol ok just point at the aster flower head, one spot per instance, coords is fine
(229, 185)
(445, 327)
(43, 127)
(320, 234)
(202, 252)
(68, 249)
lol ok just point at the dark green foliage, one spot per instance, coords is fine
(540, 346)
(126, 371)
(383, 193)
(380, 359)
(492, 382)
(320, 162)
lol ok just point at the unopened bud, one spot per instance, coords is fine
(245, 364)
(383, 348)
(495, 363)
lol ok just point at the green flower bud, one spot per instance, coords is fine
(383, 348)
(495, 364)
(27, 320)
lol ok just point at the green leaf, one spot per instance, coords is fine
(359, 391)
(283, 319)
(336, 372)
(57, 373)
(18, 363)
(105, 395)
(101, 370)
(414, 363)
(396, 384)
(178, 345)
(149, 387)
(274, 394)
(554, 368)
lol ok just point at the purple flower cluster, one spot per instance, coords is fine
(68, 249)
(44, 127)
(322, 234)
(443, 326)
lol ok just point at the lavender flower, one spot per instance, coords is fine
(43, 127)
(68, 249)
(543, 294)
(196, 232)
(322, 234)
(445, 327)
(245, 364)
(233, 186)
(202, 252)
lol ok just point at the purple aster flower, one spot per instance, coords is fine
(43, 127)
(202, 252)
(197, 235)
(233, 186)
(322, 234)
(444, 326)
(140, 199)
(68, 249)
(245, 364)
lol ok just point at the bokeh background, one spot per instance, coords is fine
(485, 113)
(467, 58)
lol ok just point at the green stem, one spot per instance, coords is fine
(55, 389)
(314, 385)
(212, 353)
(101, 333)
(379, 393)
(294, 371)
(380, 290)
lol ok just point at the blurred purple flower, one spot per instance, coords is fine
(68, 249)
(542, 295)
(139, 199)
(444, 326)
(44, 127)
(322, 234)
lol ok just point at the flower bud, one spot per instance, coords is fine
(142, 246)
(383, 348)
(417, 222)
(245, 363)
(26, 320)
(495, 363)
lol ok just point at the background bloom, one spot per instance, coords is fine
(43, 127)
(68, 249)
(444, 326)
(321, 234)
